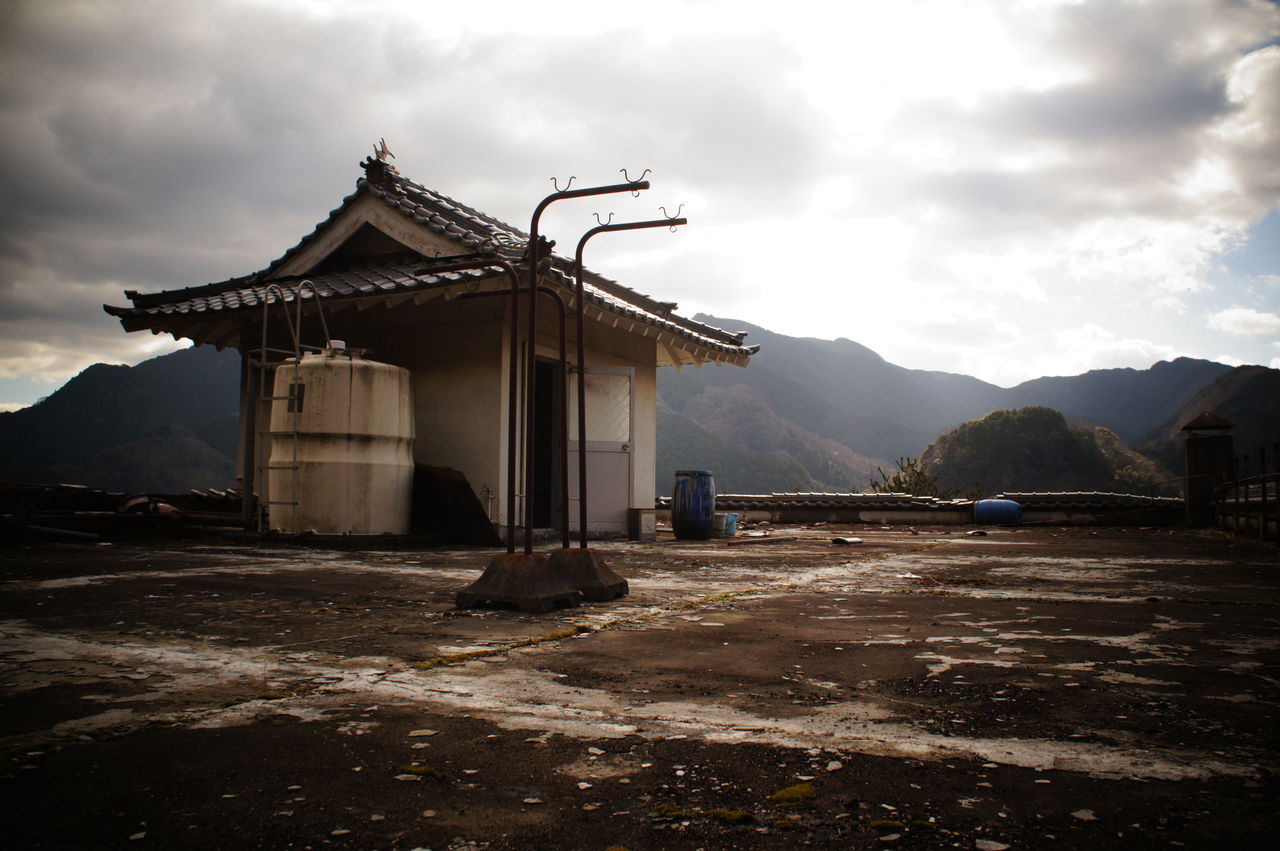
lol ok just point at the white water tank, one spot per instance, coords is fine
(340, 458)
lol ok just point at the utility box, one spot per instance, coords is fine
(641, 524)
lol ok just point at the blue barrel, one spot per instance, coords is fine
(997, 512)
(693, 505)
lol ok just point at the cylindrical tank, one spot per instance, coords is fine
(997, 512)
(340, 457)
(693, 505)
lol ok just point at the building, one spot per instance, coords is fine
(370, 266)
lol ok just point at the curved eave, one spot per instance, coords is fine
(220, 323)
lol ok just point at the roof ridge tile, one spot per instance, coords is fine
(484, 234)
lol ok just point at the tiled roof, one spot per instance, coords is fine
(474, 231)
(1068, 501)
(1207, 420)
(853, 501)
(369, 279)
(1089, 500)
(407, 275)
(456, 222)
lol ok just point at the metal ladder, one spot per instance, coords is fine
(266, 359)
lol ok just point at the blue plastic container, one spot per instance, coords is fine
(997, 512)
(693, 505)
(726, 524)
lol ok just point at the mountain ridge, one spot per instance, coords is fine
(132, 428)
(843, 391)
(1095, 394)
(807, 414)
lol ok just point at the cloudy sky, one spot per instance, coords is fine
(1000, 188)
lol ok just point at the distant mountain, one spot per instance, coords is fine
(841, 391)
(745, 418)
(165, 425)
(853, 380)
(1248, 396)
(1131, 402)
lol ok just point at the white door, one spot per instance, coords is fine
(609, 429)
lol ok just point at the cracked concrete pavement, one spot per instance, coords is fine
(1070, 687)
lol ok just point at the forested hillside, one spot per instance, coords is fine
(1036, 449)
(165, 425)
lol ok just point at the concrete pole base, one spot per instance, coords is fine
(516, 580)
(587, 572)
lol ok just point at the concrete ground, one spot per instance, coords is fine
(1038, 687)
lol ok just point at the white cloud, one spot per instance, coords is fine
(960, 186)
(1094, 347)
(1245, 321)
(1247, 138)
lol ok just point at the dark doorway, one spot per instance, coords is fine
(548, 410)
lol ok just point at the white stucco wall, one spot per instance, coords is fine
(457, 360)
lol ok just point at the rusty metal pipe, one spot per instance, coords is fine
(564, 415)
(324, 325)
(535, 249)
(1262, 481)
(249, 437)
(580, 307)
(530, 385)
(278, 292)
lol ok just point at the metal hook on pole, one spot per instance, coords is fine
(675, 220)
(635, 193)
(610, 220)
(566, 186)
